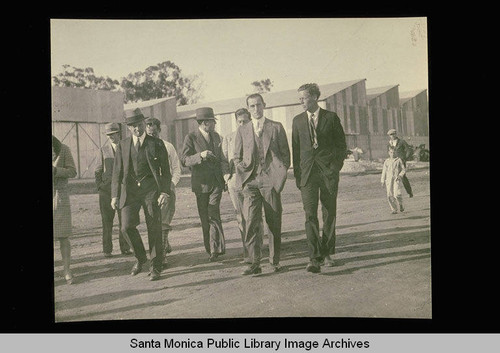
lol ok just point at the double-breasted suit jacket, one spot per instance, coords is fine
(207, 174)
(157, 158)
(330, 154)
(276, 154)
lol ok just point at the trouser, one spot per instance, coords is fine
(406, 182)
(107, 217)
(393, 188)
(314, 191)
(209, 211)
(130, 220)
(168, 209)
(256, 196)
(237, 199)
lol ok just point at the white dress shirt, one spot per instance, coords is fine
(315, 118)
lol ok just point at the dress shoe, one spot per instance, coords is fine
(213, 257)
(313, 267)
(277, 267)
(411, 195)
(401, 208)
(394, 212)
(127, 252)
(108, 254)
(327, 261)
(252, 270)
(167, 249)
(155, 274)
(137, 268)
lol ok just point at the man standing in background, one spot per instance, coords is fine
(103, 172)
(153, 128)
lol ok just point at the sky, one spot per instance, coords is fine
(229, 54)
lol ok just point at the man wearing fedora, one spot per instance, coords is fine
(202, 153)
(261, 159)
(103, 172)
(141, 179)
(401, 150)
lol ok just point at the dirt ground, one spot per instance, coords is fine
(383, 263)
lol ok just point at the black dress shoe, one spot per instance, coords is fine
(155, 274)
(108, 254)
(277, 267)
(136, 269)
(252, 270)
(311, 267)
(213, 257)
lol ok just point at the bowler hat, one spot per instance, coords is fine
(391, 131)
(133, 116)
(153, 121)
(205, 113)
(111, 128)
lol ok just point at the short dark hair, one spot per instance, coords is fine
(255, 95)
(242, 111)
(311, 88)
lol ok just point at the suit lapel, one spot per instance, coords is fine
(126, 143)
(267, 134)
(201, 140)
(321, 121)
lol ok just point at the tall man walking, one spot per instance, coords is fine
(319, 149)
(261, 158)
(103, 172)
(141, 179)
(153, 128)
(202, 153)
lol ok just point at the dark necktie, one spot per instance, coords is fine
(138, 145)
(314, 138)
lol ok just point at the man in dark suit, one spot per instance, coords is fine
(141, 178)
(202, 153)
(261, 159)
(401, 150)
(103, 172)
(319, 149)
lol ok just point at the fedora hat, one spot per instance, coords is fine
(205, 113)
(133, 116)
(111, 128)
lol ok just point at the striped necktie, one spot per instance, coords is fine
(314, 138)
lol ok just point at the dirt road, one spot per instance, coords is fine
(383, 270)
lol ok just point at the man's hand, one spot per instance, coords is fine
(114, 203)
(207, 154)
(162, 199)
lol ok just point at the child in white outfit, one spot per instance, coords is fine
(392, 172)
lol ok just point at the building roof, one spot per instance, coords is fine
(372, 93)
(272, 99)
(407, 95)
(147, 103)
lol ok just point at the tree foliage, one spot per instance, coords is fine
(262, 86)
(158, 81)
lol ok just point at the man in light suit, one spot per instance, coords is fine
(319, 149)
(153, 128)
(141, 178)
(103, 172)
(261, 159)
(242, 117)
(202, 153)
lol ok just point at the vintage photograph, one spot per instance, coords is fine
(240, 168)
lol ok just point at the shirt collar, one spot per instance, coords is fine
(316, 113)
(205, 134)
(257, 121)
(141, 138)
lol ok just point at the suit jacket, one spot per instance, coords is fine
(228, 150)
(207, 174)
(331, 151)
(276, 153)
(104, 167)
(157, 157)
(401, 149)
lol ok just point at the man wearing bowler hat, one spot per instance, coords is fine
(202, 153)
(141, 178)
(103, 172)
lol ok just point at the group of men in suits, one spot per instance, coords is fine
(252, 163)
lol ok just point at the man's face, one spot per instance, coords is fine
(137, 129)
(152, 130)
(256, 107)
(208, 125)
(308, 102)
(242, 119)
(114, 138)
(393, 136)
